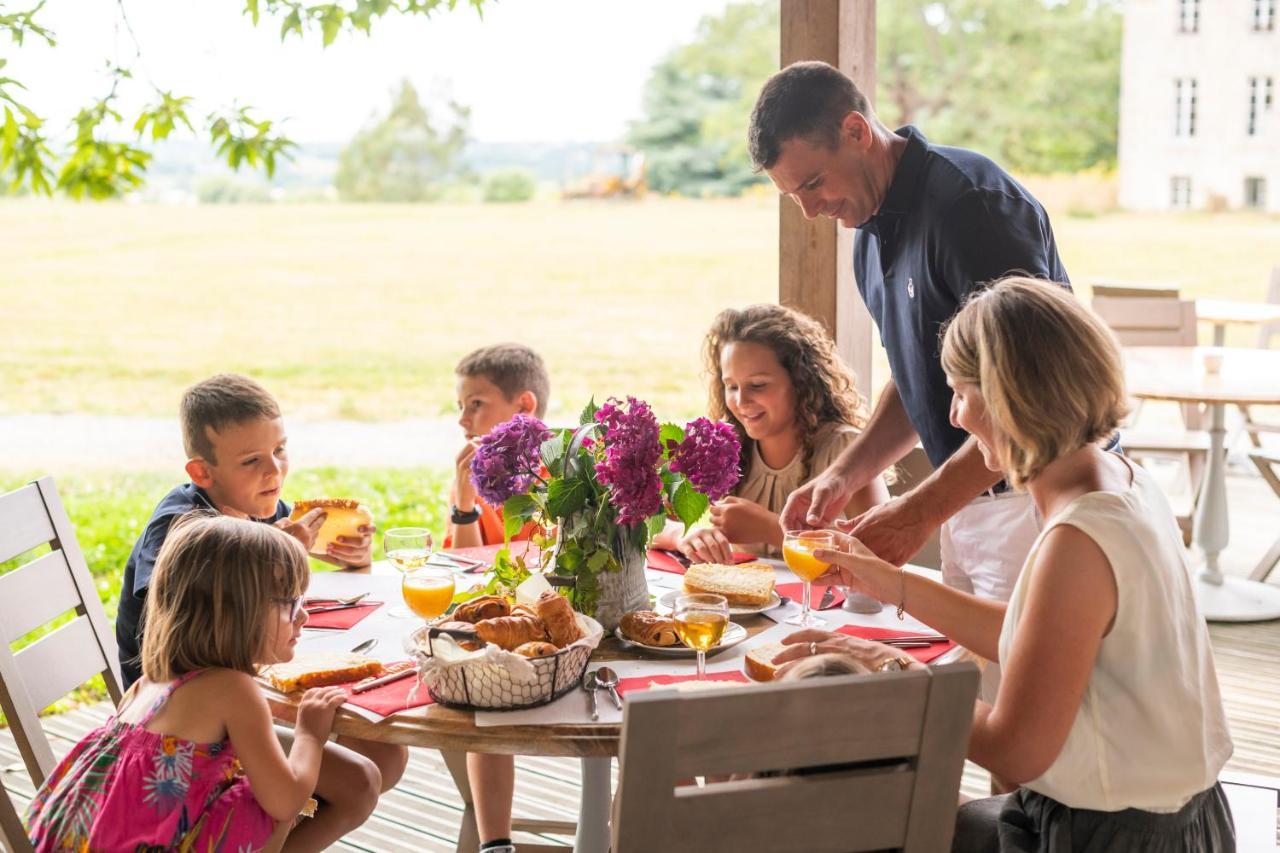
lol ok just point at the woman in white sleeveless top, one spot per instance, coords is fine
(1108, 716)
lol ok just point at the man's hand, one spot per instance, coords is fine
(305, 528)
(706, 545)
(816, 504)
(464, 489)
(894, 531)
(745, 521)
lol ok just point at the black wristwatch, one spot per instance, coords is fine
(457, 516)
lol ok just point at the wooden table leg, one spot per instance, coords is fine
(593, 811)
(468, 834)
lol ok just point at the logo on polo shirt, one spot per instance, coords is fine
(911, 288)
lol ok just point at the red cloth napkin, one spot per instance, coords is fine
(487, 552)
(935, 650)
(667, 563)
(795, 592)
(645, 682)
(340, 620)
(389, 698)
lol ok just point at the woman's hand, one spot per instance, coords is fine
(316, 710)
(746, 521)
(855, 566)
(707, 545)
(813, 641)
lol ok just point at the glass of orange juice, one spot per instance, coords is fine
(797, 550)
(428, 591)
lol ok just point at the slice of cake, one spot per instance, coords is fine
(317, 669)
(745, 585)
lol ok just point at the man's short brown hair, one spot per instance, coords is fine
(808, 100)
(514, 368)
(218, 402)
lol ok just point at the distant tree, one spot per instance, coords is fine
(106, 158)
(510, 185)
(698, 99)
(404, 156)
(1034, 84)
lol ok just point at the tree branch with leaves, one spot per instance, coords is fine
(105, 158)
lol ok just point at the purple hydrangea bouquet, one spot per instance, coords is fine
(606, 487)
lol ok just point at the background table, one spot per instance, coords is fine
(1247, 376)
(456, 733)
(1224, 312)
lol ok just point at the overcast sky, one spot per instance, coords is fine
(531, 70)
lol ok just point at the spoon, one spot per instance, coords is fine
(366, 646)
(608, 679)
(590, 685)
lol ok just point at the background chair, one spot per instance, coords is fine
(1268, 333)
(1142, 315)
(1268, 464)
(52, 585)
(899, 740)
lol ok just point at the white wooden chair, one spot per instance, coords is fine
(912, 470)
(34, 595)
(12, 832)
(1267, 333)
(892, 747)
(1156, 316)
(1268, 464)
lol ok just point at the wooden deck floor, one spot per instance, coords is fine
(423, 811)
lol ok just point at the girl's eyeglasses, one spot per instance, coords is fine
(294, 605)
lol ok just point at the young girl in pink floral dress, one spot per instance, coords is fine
(190, 760)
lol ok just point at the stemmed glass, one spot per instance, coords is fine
(406, 548)
(700, 621)
(428, 591)
(797, 550)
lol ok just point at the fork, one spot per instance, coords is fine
(339, 602)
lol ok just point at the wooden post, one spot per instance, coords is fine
(815, 258)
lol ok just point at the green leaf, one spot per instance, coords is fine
(565, 497)
(516, 511)
(668, 433)
(689, 504)
(551, 450)
(588, 415)
(251, 9)
(598, 560)
(654, 525)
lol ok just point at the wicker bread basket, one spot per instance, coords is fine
(495, 680)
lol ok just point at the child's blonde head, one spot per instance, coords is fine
(825, 389)
(215, 582)
(1049, 371)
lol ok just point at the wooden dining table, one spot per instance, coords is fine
(455, 732)
(1188, 375)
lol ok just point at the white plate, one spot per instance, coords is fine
(733, 634)
(669, 601)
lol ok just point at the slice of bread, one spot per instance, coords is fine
(317, 669)
(758, 664)
(746, 585)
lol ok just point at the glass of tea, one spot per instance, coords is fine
(406, 548)
(700, 622)
(797, 551)
(427, 591)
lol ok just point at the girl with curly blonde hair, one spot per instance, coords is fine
(774, 374)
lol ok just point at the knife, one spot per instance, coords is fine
(331, 607)
(386, 679)
(828, 598)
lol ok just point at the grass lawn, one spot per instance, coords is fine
(361, 311)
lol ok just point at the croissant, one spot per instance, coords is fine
(510, 631)
(484, 607)
(649, 628)
(558, 616)
(523, 610)
(536, 649)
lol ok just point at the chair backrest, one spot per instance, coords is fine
(1267, 331)
(897, 740)
(912, 470)
(33, 595)
(1129, 289)
(1156, 317)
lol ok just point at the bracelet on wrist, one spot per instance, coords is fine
(902, 599)
(457, 516)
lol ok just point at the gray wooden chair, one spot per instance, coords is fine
(897, 742)
(1156, 316)
(12, 832)
(32, 596)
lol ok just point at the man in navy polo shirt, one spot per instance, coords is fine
(934, 225)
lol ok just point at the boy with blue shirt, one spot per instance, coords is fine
(237, 460)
